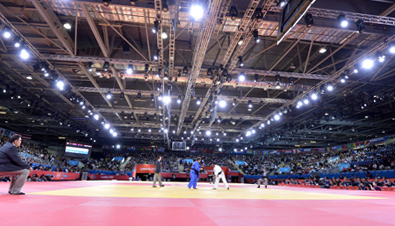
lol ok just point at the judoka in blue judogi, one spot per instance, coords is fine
(194, 173)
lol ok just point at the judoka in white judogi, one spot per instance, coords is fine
(219, 174)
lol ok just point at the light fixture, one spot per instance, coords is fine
(179, 100)
(208, 133)
(322, 50)
(250, 104)
(242, 77)
(367, 63)
(160, 97)
(314, 95)
(6, 32)
(233, 12)
(240, 41)
(129, 70)
(165, 130)
(96, 117)
(17, 42)
(248, 133)
(355, 71)
(166, 99)
(342, 20)
(60, 85)
(299, 104)
(196, 12)
(381, 57)
(255, 34)
(360, 25)
(149, 130)
(67, 25)
(198, 102)
(222, 103)
(329, 87)
(234, 102)
(276, 117)
(107, 126)
(241, 63)
(114, 134)
(29, 77)
(308, 19)
(343, 79)
(392, 49)
(164, 35)
(306, 101)
(282, 3)
(24, 53)
(108, 95)
(90, 69)
(106, 2)
(156, 27)
(106, 65)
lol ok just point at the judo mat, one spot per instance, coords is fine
(138, 203)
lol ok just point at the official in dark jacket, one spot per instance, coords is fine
(157, 176)
(11, 165)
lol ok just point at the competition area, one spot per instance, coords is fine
(138, 203)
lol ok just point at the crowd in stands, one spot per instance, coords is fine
(366, 159)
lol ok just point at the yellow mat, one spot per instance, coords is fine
(147, 191)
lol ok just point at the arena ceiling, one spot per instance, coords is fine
(198, 61)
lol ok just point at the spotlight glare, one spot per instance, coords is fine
(208, 133)
(60, 85)
(306, 101)
(314, 96)
(129, 70)
(329, 87)
(164, 35)
(392, 49)
(222, 103)
(196, 12)
(166, 99)
(367, 64)
(96, 117)
(242, 77)
(106, 126)
(342, 80)
(344, 23)
(381, 58)
(109, 95)
(276, 117)
(7, 33)
(355, 71)
(24, 54)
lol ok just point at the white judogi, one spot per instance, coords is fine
(219, 174)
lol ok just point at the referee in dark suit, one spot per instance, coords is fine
(11, 165)
(157, 176)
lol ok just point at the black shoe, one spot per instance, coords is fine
(154, 186)
(9, 192)
(19, 193)
(214, 189)
(228, 188)
(265, 186)
(259, 186)
(162, 185)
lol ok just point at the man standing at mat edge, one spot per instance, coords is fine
(264, 178)
(11, 165)
(194, 173)
(219, 174)
(158, 169)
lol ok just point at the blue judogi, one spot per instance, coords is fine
(194, 174)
